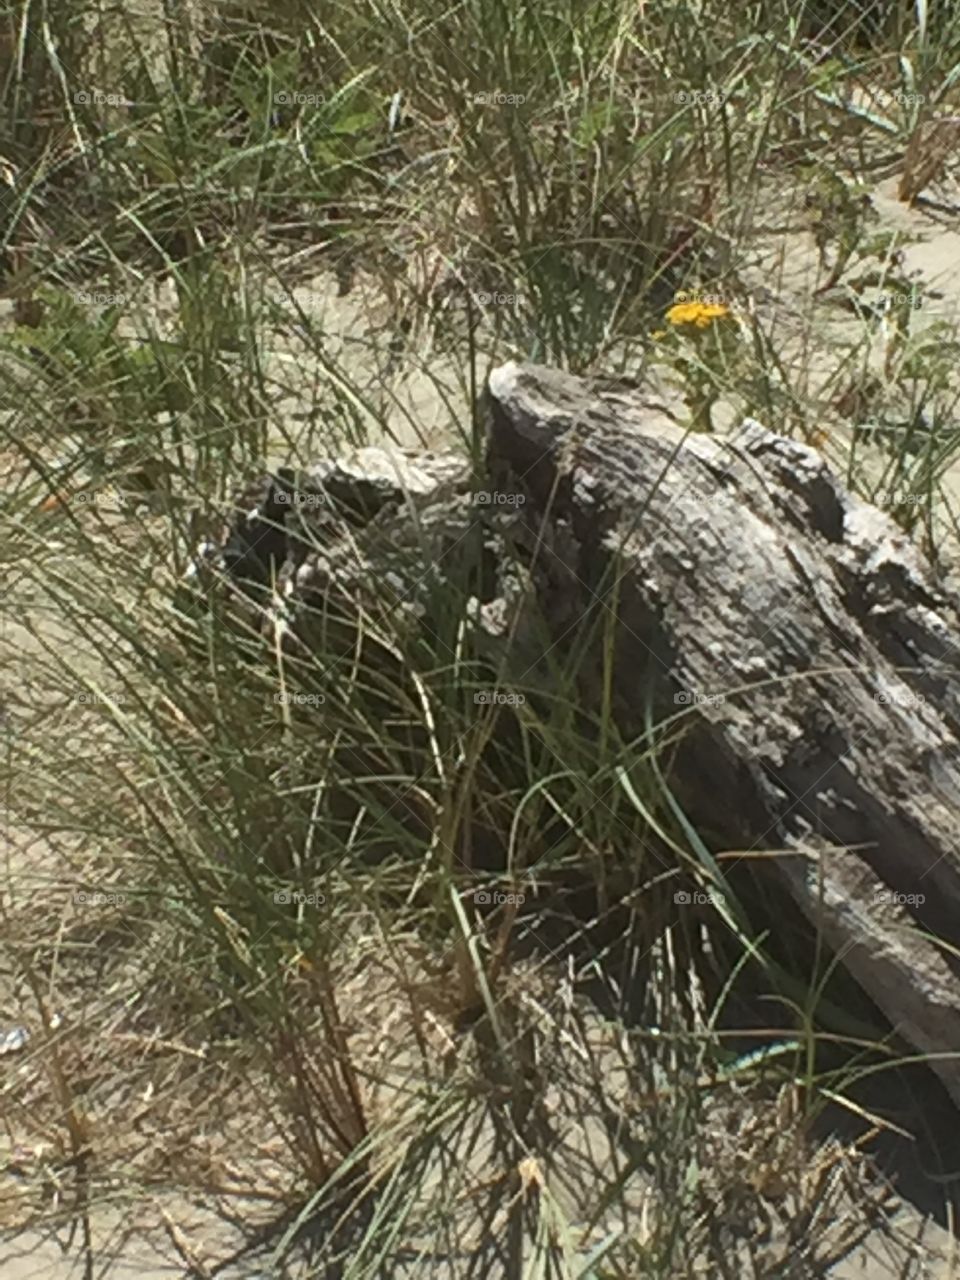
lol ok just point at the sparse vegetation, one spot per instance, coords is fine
(389, 970)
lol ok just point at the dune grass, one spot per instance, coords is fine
(396, 969)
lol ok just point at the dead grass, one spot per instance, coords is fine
(395, 1081)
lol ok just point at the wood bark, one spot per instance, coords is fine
(812, 643)
(798, 633)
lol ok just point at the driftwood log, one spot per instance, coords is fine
(800, 633)
(746, 570)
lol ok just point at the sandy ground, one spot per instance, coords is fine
(425, 400)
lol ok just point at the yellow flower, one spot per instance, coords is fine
(698, 314)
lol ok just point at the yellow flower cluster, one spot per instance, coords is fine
(698, 314)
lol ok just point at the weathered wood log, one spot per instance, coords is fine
(813, 646)
(801, 634)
